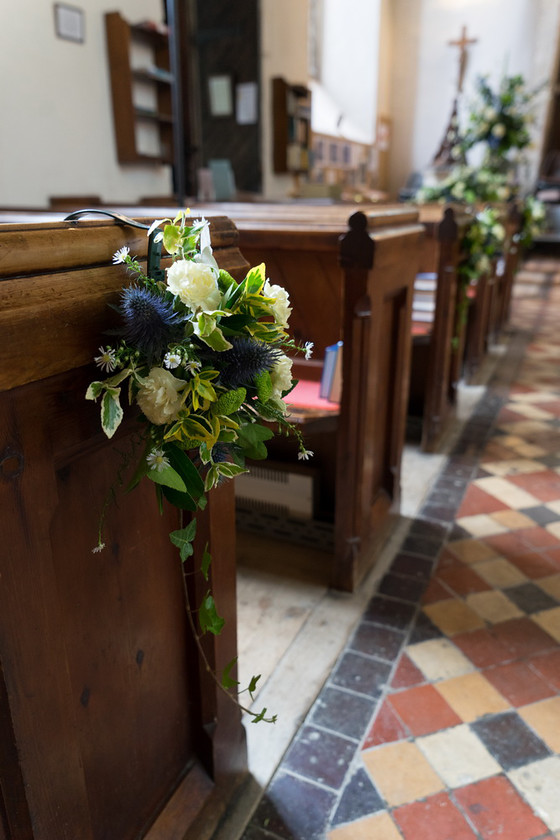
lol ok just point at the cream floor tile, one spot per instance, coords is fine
(493, 607)
(499, 572)
(458, 756)
(471, 696)
(512, 519)
(401, 773)
(376, 827)
(453, 616)
(533, 396)
(481, 525)
(544, 718)
(532, 412)
(551, 585)
(439, 659)
(530, 450)
(472, 551)
(524, 428)
(554, 527)
(506, 492)
(553, 506)
(539, 784)
(549, 620)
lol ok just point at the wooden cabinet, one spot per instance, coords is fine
(141, 90)
(291, 126)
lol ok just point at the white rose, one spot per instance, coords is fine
(281, 375)
(281, 308)
(499, 231)
(490, 113)
(195, 284)
(159, 396)
(499, 130)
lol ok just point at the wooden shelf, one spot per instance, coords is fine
(291, 121)
(142, 101)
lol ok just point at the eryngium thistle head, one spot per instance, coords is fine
(150, 323)
(246, 360)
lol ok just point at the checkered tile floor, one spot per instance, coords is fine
(441, 719)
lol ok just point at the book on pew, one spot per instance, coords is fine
(331, 379)
(425, 282)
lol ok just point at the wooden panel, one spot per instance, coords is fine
(107, 711)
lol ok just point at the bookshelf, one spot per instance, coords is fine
(141, 91)
(291, 121)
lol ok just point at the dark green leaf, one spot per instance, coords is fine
(227, 680)
(183, 501)
(206, 560)
(250, 439)
(252, 687)
(181, 462)
(209, 619)
(168, 477)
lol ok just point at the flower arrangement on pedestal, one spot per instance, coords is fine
(202, 358)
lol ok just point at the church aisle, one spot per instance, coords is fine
(441, 717)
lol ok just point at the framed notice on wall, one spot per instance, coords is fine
(69, 22)
(221, 100)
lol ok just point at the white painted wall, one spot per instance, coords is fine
(56, 116)
(514, 36)
(350, 59)
(284, 52)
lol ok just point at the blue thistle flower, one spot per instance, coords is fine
(150, 323)
(245, 360)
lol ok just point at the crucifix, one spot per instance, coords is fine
(463, 43)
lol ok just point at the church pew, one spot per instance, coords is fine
(438, 334)
(110, 724)
(349, 279)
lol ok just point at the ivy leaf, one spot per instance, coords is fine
(227, 680)
(252, 687)
(209, 619)
(183, 539)
(111, 411)
(206, 560)
(168, 477)
(261, 715)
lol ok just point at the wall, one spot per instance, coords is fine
(55, 101)
(284, 42)
(513, 36)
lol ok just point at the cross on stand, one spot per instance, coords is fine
(463, 43)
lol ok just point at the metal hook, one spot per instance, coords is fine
(154, 269)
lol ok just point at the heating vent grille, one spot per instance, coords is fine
(276, 491)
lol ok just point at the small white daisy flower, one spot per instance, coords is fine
(106, 359)
(305, 454)
(308, 348)
(120, 255)
(156, 460)
(98, 548)
(172, 360)
(192, 367)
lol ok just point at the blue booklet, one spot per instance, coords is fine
(331, 379)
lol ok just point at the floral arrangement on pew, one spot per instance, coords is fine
(533, 221)
(202, 360)
(468, 184)
(483, 243)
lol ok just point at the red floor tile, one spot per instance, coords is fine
(543, 485)
(537, 564)
(435, 592)
(478, 501)
(518, 683)
(506, 415)
(538, 537)
(436, 818)
(496, 452)
(462, 579)
(407, 674)
(496, 810)
(508, 545)
(386, 727)
(482, 648)
(523, 637)
(553, 407)
(552, 555)
(548, 665)
(423, 710)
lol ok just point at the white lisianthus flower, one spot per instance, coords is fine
(195, 284)
(281, 308)
(499, 130)
(281, 375)
(159, 396)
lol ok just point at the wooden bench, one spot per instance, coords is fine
(438, 331)
(110, 724)
(349, 279)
